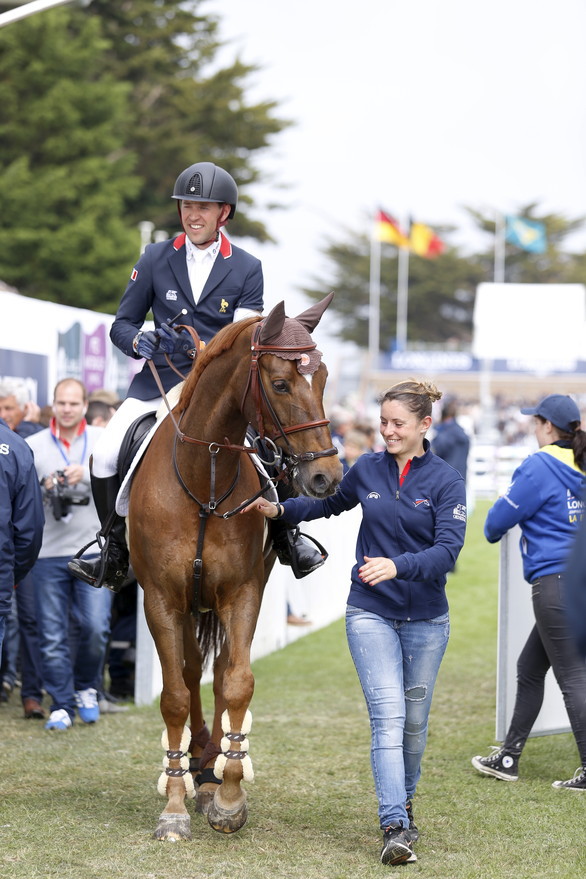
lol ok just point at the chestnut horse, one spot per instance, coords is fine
(203, 571)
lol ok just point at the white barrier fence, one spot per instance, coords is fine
(516, 619)
(491, 467)
(321, 597)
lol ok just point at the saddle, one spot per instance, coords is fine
(132, 441)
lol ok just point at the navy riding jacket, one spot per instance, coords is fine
(159, 282)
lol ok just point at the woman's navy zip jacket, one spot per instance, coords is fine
(420, 525)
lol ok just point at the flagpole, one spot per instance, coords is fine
(374, 303)
(402, 298)
(499, 248)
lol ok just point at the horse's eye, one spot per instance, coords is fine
(281, 386)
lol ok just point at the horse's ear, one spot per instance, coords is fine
(272, 325)
(310, 318)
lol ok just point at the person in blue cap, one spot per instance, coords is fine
(545, 500)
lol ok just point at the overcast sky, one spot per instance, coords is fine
(419, 107)
(416, 106)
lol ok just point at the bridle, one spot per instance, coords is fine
(255, 386)
(260, 396)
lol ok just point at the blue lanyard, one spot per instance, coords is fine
(62, 452)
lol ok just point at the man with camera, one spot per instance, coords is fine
(70, 613)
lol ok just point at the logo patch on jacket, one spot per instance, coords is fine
(373, 495)
(134, 275)
(421, 500)
(171, 295)
(459, 512)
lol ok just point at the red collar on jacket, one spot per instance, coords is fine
(225, 244)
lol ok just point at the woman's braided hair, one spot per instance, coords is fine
(416, 395)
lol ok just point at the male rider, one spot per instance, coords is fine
(199, 279)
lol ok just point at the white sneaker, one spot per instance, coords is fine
(87, 705)
(59, 719)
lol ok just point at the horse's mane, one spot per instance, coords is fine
(222, 341)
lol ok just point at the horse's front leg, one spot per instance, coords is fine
(192, 672)
(175, 782)
(228, 811)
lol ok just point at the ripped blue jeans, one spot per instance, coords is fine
(397, 663)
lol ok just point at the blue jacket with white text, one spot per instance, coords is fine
(544, 498)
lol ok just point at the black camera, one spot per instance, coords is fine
(62, 496)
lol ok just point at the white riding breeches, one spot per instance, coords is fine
(107, 448)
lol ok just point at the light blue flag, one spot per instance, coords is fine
(526, 234)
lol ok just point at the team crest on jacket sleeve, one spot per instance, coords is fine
(459, 512)
(134, 274)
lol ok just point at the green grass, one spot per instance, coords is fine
(84, 804)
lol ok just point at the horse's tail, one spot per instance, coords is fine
(210, 634)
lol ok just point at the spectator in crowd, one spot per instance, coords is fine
(397, 622)
(544, 499)
(451, 442)
(98, 413)
(20, 653)
(62, 452)
(110, 398)
(355, 444)
(196, 279)
(341, 420)
(21, 519)
(17, 409)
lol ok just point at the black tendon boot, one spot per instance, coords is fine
(112, 571)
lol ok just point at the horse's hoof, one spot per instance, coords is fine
(203, 800)
(173, 827)
(227, 820)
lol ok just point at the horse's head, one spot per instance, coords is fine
(287, 381)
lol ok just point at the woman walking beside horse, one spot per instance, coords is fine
(397, 623)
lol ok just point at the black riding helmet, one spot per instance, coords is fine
(205, 181)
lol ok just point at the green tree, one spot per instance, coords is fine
(554, 266)
(184, 108)
(440, 293)
(66, 174)
(100, 109)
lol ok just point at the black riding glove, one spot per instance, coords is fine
(173, 341)
(147, 344)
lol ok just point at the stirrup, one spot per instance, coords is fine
(293, 536)
(103, 543)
